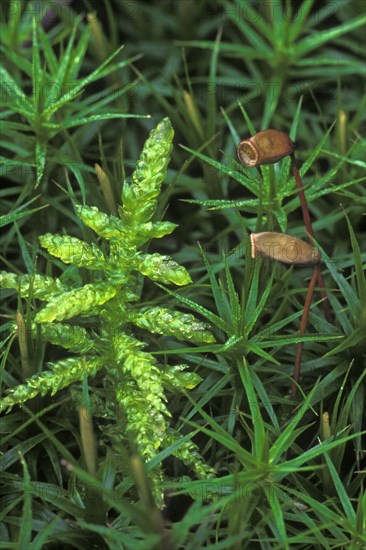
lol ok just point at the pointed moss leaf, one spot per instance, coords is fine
(62, 374)
(80, 85)
(41, 155)
(12, 93)
(76, 121)
(281, 218)
(74, 251)
(17, 215)
(104, 225)
(360, 273)
(80, 301)
(316, 39)
(70, 337)
(183, 326)
(139, 196)
(164, 269)
(354, 343)
(38, 286)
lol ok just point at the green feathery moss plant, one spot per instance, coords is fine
(107, 340)
(43, 96)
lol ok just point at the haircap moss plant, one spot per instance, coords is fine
(138, 381)
(268, 147)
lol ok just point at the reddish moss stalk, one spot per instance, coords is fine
(303, 326)
(309, 229)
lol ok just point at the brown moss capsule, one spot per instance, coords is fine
(284, 248)
(265, 147)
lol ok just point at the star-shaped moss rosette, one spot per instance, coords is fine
(138, 379)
